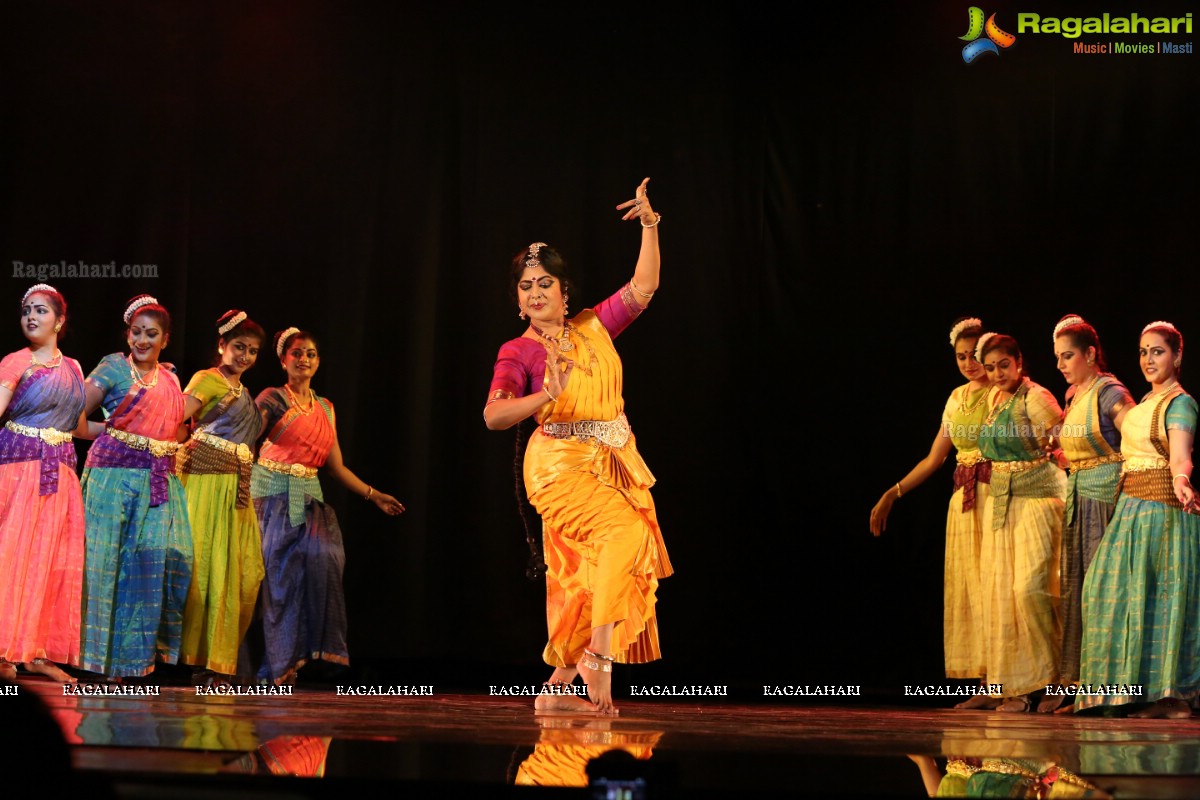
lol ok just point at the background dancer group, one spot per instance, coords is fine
(1053, 511)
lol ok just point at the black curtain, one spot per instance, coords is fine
(837, 186)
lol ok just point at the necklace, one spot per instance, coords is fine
(1080, 392)
(966, 410)
(996, 412)
(235, 390)
(312, 401)
(54, 361)
(563, 343)
(139, 378)
(1165, 389)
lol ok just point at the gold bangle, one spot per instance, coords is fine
(370, 491)
(1187, 478)
(633, 286)
(553, 399)
(657, 219)
(899, 491)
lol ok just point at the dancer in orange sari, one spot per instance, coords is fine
(603, 549)
(41, 507)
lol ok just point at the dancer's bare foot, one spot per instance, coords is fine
(50, 670)
(1050, 704)
(1166, 708)
(1016, 704)
(8, 671)
(560, 698)
(596, 671)
(979, 702)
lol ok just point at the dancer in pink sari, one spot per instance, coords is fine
(41, 508)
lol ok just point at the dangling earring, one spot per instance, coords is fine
(520, 312)
(220, 351)
(58, 327)
(565, 298)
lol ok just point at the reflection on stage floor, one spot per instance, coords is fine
(698, 748)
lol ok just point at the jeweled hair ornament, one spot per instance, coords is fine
(138, 302)
(957, 330)
(283, 337)
(983, 340)
(37, 287)
(237, 319)
(1073, 319)
(534, 249)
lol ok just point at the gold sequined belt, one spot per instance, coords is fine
(47, 435)
(157, 448)
(241, 450)
(969, 458)
(614, 433)
(295, 470)
(1017, 466)
(1144, 464)
(1088, 463)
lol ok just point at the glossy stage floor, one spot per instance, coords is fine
(322, 743)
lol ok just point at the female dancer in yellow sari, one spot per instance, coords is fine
(604, 552)
(1022, 527)
(961, 419)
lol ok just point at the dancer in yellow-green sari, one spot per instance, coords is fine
(215, 467)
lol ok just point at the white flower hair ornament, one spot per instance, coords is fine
(236, 320)
(37, 287)
(138, 302)
(956, 331)
(983, 340)
(1073, 319)
(283, 337)
(1160, 324)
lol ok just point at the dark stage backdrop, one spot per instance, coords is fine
(836, 187)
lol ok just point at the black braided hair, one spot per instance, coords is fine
(536, 569)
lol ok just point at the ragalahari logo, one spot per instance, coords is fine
(976, 27)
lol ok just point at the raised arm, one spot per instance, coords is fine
(645, 274)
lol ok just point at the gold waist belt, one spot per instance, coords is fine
(1150, 484)
(295, 470)
(1144, 463)
(1017, 466)
(157, 448)
(1088, 463)
(47, 435)
(969, 458)
(242, 451)
(614, 433)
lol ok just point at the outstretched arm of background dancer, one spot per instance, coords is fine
(927, 466)
(340, 472)
(645, 274)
